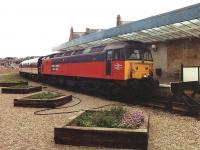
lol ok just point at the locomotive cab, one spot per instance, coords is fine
(128, 60)
(138, 63)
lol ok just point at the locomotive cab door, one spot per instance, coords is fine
(40, 65)
(108, 62)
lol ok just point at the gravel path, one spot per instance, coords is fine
(20, 129)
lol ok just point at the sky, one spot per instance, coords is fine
(34, 27)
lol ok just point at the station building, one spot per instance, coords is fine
(171, 53)
(173, 37)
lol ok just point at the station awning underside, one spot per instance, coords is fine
(177, 24)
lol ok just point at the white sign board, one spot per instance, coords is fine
(191, 74)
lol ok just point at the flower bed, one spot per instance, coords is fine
(8, 84)
(21, 89)
(11, 80)
(44, 100)
(110, 128)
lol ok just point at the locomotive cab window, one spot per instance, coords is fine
(133, 54)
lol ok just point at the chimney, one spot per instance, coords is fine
(118, 23)
(87, 31)
(71, 34)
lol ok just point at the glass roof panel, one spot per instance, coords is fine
(186, 23)
(196, 21)
(178, 25)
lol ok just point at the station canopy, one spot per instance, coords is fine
(177, 24)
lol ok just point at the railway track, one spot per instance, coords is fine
(177, 99)
(172, 99)
(170, 104)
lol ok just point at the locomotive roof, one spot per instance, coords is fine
(118, 45)
(180, 23)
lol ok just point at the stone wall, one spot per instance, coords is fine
(170, 55)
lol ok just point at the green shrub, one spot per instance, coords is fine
(107, 121)
(107, 118)
(85, 120)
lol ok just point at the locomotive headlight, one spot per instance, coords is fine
(145, 76)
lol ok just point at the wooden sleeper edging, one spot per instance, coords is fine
(103, 137)
(42, 103)
(21, 90)
(7, 84)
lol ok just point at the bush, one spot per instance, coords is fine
(85, 120)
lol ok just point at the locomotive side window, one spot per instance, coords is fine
(67, 53)
(122, 54)
(147, 55)
(116, 54)
(57, 55)
(97, 49)
(51, 56)
(77, 52)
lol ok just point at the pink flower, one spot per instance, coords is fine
(132, 119)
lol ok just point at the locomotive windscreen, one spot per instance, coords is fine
(135, 54)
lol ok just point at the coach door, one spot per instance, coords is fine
(108, 62)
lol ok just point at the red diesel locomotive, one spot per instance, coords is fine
(124, 65)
